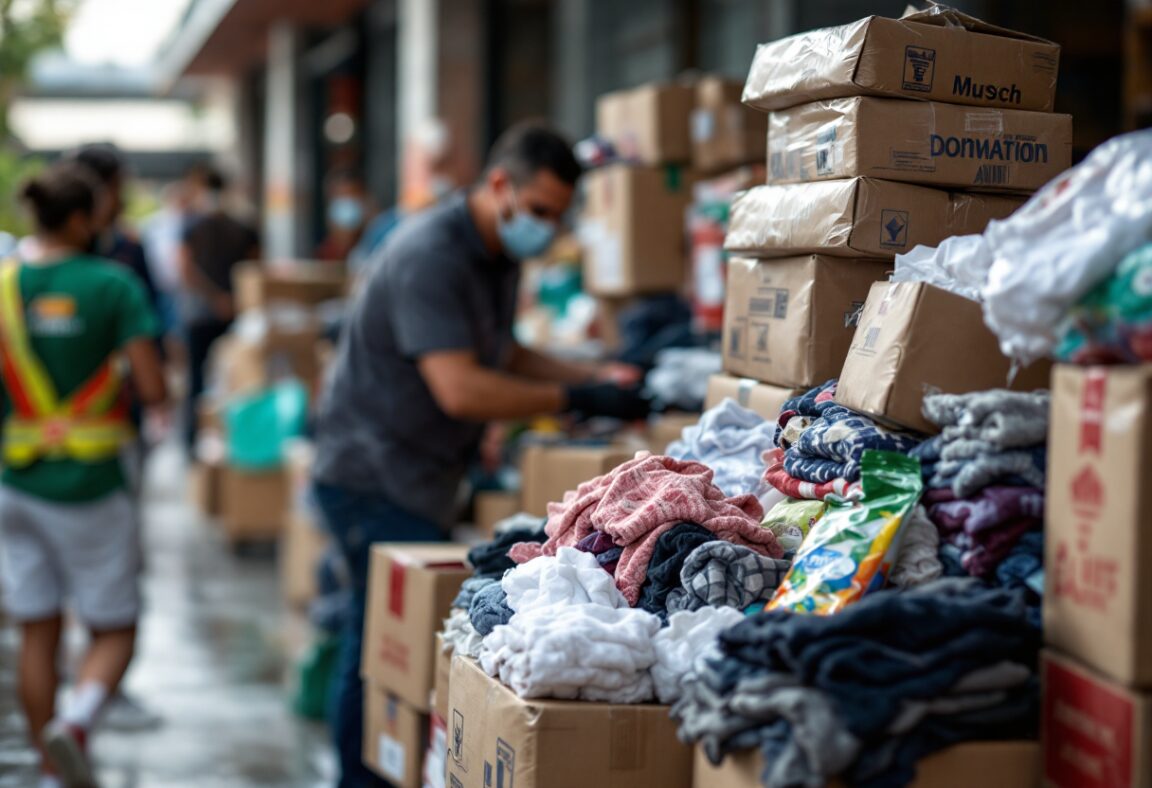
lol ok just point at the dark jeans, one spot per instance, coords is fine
(356, 521)
(199, 337)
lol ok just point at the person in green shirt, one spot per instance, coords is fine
(68, 526)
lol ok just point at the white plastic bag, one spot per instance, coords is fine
(1069, 237)
(959, 264)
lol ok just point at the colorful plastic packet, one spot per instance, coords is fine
(792, 519)
(850, 550)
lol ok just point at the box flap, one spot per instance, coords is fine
(947, 16)
(427, 556)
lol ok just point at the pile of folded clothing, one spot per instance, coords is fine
(985, 476)
(820, 445)
(866, 693)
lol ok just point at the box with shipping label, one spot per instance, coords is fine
(258, 286)
(648, 124)
(940, 54)
(915, 339)
(443, 676)
(633, 230)
(1014, 764)
(253, 504)
(395, 738)
(725, 133)
(436, 758)
(1098, 592)
(790, 321)
(918, 142)
(1096, 731)
(758, 397)
(547, 472)
(301, 551)
(492, 506)
(410, 593)
(856, 217)
(497, 739)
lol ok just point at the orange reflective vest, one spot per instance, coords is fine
(89, 426)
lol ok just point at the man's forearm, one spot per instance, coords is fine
(537, 366)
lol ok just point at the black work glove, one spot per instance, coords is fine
(607, 399)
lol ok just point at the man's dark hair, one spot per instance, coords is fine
(103, 159)
(212, 178)
(59, 192)
(526, 148)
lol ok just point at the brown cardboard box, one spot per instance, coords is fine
(253, 505)
(246, 366)
(790, 321)
(648, 124)
(547, 472)
(759, 397)
(952, 58)
(725, 133)
(256, 286)
(983, 764)
(665, 429)
(857, 217)
(1098, 599)
(410, 593)
(301, 549)
(205, 480)
(395, 738)
(915, 339)
(497, 739)
(440, 687)
(918, 142)
(633, 230)
(1096, 731)
(210, 415)
(493, 506)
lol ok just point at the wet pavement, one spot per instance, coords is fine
(214, 661)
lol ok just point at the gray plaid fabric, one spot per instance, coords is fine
(722, 574)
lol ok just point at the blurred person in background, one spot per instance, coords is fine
(69, 526)
(426, 359)
(162, 234)
(348, 213)
(210, 249)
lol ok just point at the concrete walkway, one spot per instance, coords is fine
(215, 661)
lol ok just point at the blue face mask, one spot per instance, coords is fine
(524, 235)
(347, 213)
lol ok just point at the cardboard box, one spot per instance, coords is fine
(245, 366)
(1096, 731)
(395, 738)
(1098, 598)
(633, 230)
(943, 57)
(790, 321)
(256, 286)
(497, 739)
(493, 506)
(918, 142)
(209, 414)
(547, 472)
(410, 593)
(648, 124)
(440, 688)
(665, 429)
(436, 759)
(253, 504)
(984, 764)
(301, 551)
(857, 217)
(759, 397)
(915, 339)
(205, 483)
(725, 133)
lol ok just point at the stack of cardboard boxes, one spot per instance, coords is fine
(1097, 672)
(858, 172)
(410, 593)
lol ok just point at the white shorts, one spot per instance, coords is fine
(86, 553)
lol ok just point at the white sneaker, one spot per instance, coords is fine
(125, 714)
(67, 750)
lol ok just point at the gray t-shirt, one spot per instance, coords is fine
(434, 287)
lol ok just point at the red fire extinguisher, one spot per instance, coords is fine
(707, 225)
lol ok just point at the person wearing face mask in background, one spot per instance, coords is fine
(426, 359)
(347, 217)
